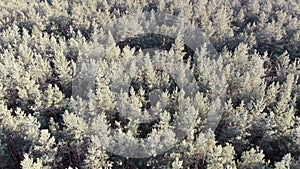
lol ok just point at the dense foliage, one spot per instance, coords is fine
(43, 126)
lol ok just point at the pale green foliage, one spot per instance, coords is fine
(284, 109)
(285, 163)
(27, 125)
(177, 164)
(97, 158)
(44, 149)
(75, 126)
(222, 157)
(295, 138)
(64, 68)
(28, 163)
(49, 46)
(254, 158)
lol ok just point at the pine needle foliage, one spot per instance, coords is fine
(43, 48)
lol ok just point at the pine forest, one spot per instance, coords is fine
(158, 84)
